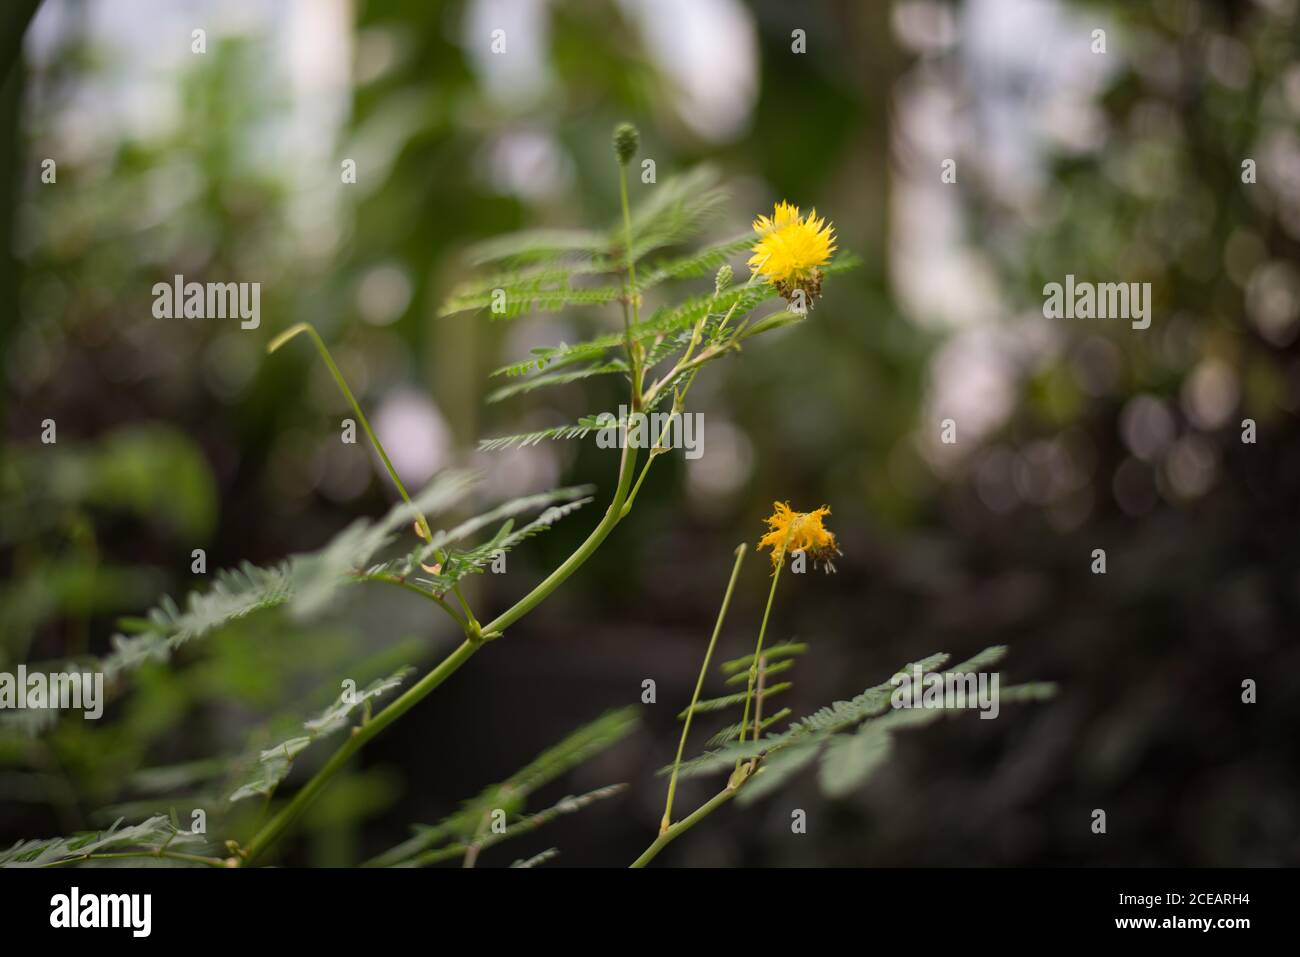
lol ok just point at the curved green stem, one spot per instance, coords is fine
(476, 634)
(449, 665)
(613, 515)
(470, 624)
(360, 735)
(667, 821)
(310, 330)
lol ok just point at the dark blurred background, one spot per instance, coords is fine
(1072, 434)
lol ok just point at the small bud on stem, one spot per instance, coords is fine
(626, 141)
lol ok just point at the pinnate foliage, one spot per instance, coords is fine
(548, 271)
(307, 583)
(469, 825)
(851, 739)
(272, 765)
(155, 834)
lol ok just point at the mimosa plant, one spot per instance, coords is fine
(658, 356)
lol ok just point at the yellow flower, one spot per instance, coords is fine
(789, 249)
(790, 531)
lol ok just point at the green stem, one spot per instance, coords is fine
(584, 551)
(627, 464)
(645, 469)
(685, 824)
(686, 362)
(469, 624)
(301, 327)
(472, 628)
(758, 696)
(627, 506)
(476, 845)
(708, 355)
(699, 685)
(633, 353)
(627, 344)
(758, 648)
(476, 636)
(475, 633)
(360, 735)
(436, 856)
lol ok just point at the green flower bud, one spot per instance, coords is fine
(723, 278)
(626, 141)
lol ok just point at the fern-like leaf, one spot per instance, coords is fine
(612, 367)
(234, 594)
(731, 700)
(154, 834)
(732, 731)
(465, 825)
(703, 262)
(308, 581)
(786, 649)
(524, 825)
(520, 298)
(538, 859)
(273, 765)
(456, 563)
(549, 270)
(853, 738)
(579, 430)
(539, 245)
(676, 210)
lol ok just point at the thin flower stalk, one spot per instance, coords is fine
(666, 823)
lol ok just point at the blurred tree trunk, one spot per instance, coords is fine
(14, 19)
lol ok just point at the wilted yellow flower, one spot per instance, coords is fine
(789, 249)
(790, 531)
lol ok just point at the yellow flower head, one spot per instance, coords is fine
(789, 249)
(790, 531)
